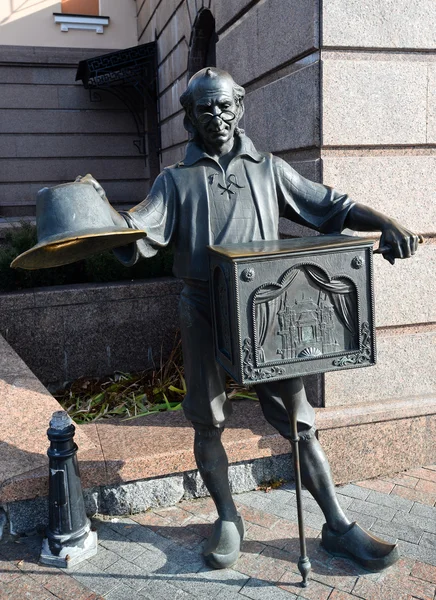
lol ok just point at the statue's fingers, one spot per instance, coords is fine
(382, 250)
(389, 257)
(414, 241)
(406, 247)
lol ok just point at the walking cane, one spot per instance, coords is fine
(304, 565)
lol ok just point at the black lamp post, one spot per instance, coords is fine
(69, 538)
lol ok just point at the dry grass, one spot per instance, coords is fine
(132, 395)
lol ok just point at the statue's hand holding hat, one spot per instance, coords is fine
(74, 220)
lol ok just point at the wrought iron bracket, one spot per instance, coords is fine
(131, 76)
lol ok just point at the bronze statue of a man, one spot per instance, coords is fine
(225, 191)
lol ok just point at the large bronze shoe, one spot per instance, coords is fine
(222, 548)
(360, 546)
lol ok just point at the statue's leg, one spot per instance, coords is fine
(340, 536)
(207, 407)
(317, 478)
(213, 465)
(222, 548)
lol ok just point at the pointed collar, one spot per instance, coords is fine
(244, 147)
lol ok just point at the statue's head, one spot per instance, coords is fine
(213, 105)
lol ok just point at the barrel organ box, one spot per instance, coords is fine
(293, 307)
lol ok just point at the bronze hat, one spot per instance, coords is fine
(73, 221)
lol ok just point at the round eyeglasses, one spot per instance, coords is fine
(225, 115)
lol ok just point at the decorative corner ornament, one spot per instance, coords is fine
(361, 357)
(250, 371)
(248, 274)
(357, 262)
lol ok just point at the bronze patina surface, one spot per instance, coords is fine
(224, 192)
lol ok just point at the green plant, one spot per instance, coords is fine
(98, 268)
(133, 395)
(128, 395)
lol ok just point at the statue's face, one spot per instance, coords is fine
(213, 109)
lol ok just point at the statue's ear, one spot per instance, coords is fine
(241, 110)
(188, 124)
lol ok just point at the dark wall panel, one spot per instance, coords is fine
(52, 130)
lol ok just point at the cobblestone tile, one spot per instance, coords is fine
(414, 495)
(428, 541)
(173, 559)
(104, 558)
(279, 535)
(150, 519)
(252, 547)
(181, 535)
(127, 572)
(397, 578)
(122, 525)
(315, 552)
(312, 520)
(35, 570)
(373, 510)
(419, 552)
(202, 507)
(421, 570)
(424, 485)
(257, 589)
(344, 501)
(96, 580)
(390, 500)
(8, 571)
(66, 587)
(120, 545)
(231, 579)
(124, 592)
(397, 530)
(148, 539)
(158, 589)
(257, 517)
(333, 580)
(24, 587)
(365, 521)
(339, 595)
(422, 510)
(421, 522)
(261, 566)
(291, 582)
(402, 479)
(354, 491)
(197, 585)
(200, 526)
(428, 473)
(174, 514)
(379, 485)
(375, 591)
(260, 501)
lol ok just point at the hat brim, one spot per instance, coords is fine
(66, 249)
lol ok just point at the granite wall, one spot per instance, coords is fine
(378, 144)
(344, 91)
(66, 332)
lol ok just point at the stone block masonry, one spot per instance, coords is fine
(68, 332)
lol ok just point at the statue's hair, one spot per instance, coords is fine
(187, 98)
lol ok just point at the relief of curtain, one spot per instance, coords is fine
(266, 303)
(340, 293)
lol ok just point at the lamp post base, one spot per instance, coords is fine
(69, 556)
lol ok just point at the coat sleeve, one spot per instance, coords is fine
(156, 215)
(310, 204)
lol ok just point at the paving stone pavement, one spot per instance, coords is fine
(157, 555)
